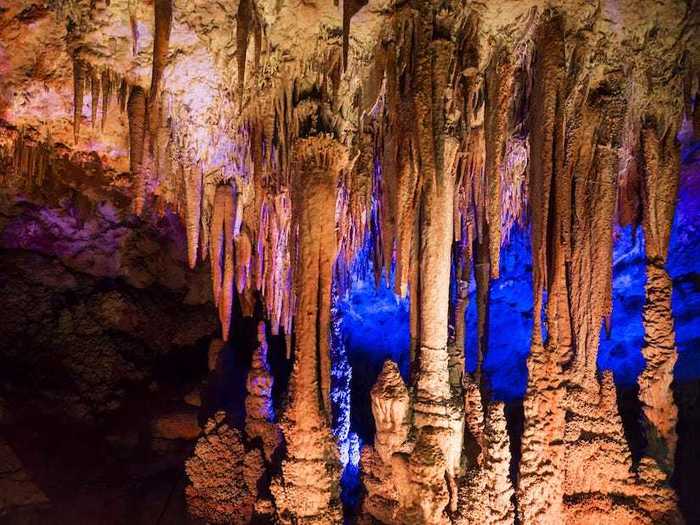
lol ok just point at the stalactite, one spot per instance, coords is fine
(208, 193)
(133, 25)
(499, 86)
(349, 9)
(400, 187)
(243, 258)
(94, 96)
(227, 286)
(216, 241)
(163, 152)
(660, 154)
(482, 276)
(123, 95)
(244, 19)
(136, 111)
(138, 161)
(163, 12)
(107, 88)
(78, 90)
(192, 176)
(461, 304)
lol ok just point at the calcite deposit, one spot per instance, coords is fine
(189, 188)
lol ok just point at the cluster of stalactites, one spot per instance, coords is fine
(578, 120)
(31, 161)
(102, 84)
(474, 134)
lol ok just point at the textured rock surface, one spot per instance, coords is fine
(260, 412)
(283, 142)
(223, 475)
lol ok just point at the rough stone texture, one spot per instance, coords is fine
(287, 137)
(223, 475)
(392, 411)
(259, 409)
(16, 485)
(661, 178)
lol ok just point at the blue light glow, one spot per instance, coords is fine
(375, 323)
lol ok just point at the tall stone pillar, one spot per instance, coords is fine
(307, 491)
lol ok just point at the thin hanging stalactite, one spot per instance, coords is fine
(193, 178)
(136, 111)
(499, 80)
(227, 285)
(107, 89)
(78, 91)
(216, 240)
(94, 96)
(244, 21)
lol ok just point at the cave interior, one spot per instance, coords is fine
(421, 262)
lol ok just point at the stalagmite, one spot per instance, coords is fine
(498, 487)
(660, 153)
(260, 413)
(598, 462)
(223, 475)
(391, 410)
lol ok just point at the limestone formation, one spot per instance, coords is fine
(307, 491)
(223, 476)
(305, 147)
(392, 412)
(260, 413)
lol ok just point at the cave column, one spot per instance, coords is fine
(307, 489)
(661, 165)
(439, 421)
(540, 479)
